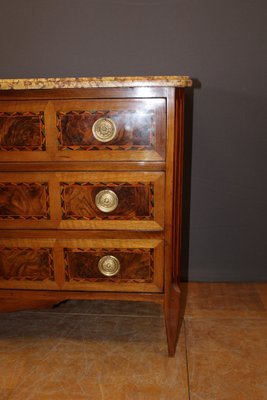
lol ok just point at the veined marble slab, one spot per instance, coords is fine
(104, 82)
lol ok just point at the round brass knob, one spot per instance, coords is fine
(104, 129)
(106, 200)
(109, 265)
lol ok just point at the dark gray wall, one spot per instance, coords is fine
(223, 45)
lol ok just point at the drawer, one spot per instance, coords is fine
(92, 265)
(83, 130)
(82, 200)
(121, 130)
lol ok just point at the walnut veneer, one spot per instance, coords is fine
(90, 191)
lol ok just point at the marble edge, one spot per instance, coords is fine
(96, 82)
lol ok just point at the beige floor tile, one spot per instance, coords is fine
(222, 300)
(76, 357)
(227, 359)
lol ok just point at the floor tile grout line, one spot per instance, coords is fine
(187, 362)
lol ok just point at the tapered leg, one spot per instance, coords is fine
(172, 320)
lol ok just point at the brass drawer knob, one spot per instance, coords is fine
(106, 200)
(109, 265)
(104, 129)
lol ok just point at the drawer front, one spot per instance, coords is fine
(93, 265)
(83, 130)
(82, 200)
(115, 129)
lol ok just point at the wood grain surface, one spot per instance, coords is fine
(25, 267)
(135, 200)
(135, 130)
(137, 265)
(24, 200)
(22, 131)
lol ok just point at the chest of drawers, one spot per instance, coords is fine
(90, 191)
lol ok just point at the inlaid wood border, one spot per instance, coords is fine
(106, 245)
(65, 216)
(157, 179)
(45, 216)
(113, 251)
(20, 114)
(51, 275)
(36, 244)
(101, 146)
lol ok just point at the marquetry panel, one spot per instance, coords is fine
(22, 131)
(27, 264)
(136, 200)
(24, 200)
(28, 200)
(82, 265)
(135, 131)
(139, 195)
(140, 264)
(139, 127)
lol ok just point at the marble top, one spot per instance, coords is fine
(104, 82)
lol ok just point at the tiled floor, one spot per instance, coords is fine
(101, 351)
(226, 341)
